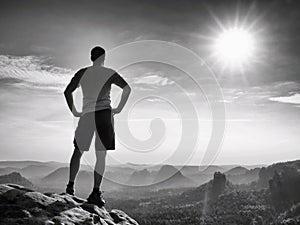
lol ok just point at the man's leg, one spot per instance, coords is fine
(74, 164)
(74, 168)
(96, 195)
(99, 169)
(103, 141)
(82, 141)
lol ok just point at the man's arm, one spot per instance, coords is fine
(69, 93)
(119, 81)
(124, 98)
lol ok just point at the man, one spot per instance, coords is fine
(96, 117)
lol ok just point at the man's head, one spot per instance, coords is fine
(98, 53)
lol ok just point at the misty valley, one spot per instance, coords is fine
(167, 194)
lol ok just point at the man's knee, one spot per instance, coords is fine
(77, 153)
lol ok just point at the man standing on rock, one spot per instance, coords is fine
(96, 117)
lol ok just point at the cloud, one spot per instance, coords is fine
(293, 99)
(263, 94)
(32, 72)
(154, 79)
(36, 72)
(152, 99)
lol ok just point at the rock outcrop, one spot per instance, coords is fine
(20, 205)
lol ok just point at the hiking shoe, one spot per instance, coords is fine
(96, 199)
(70, 190)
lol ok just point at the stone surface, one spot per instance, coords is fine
(20, 206)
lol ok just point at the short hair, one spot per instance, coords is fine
(96, 52)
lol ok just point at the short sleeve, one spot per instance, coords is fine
(119, 81)
(74, 83)
(77, 77)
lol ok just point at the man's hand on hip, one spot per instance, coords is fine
(115, 111)
(77, 114)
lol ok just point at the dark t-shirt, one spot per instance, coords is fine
(96, 82)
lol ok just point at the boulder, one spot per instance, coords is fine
(19, 205)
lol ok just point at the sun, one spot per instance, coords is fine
(234, 47)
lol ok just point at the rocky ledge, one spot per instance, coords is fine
(19, 205)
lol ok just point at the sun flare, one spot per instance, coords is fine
(234, 46)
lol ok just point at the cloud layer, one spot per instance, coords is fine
(293, 99)
(32, 72)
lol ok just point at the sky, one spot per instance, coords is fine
(43, 43)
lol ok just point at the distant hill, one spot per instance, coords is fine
(15, 178)
(244, 178)
(117, 177)
(170, 177)
(165, 172)
(57, 180)
(190, 170)
(140, 177)
(7, 170)
(19, 164)
(58, 175)
(61, 176)
(200, 179)
(25, 163)
(237, 171)
(266, 173)
(175, 181)
(124, 171)
(36, 170)
(212, 169)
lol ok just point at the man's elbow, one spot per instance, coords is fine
(127, 89)
(67, 92)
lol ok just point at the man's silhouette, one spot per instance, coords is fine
(96, 117)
